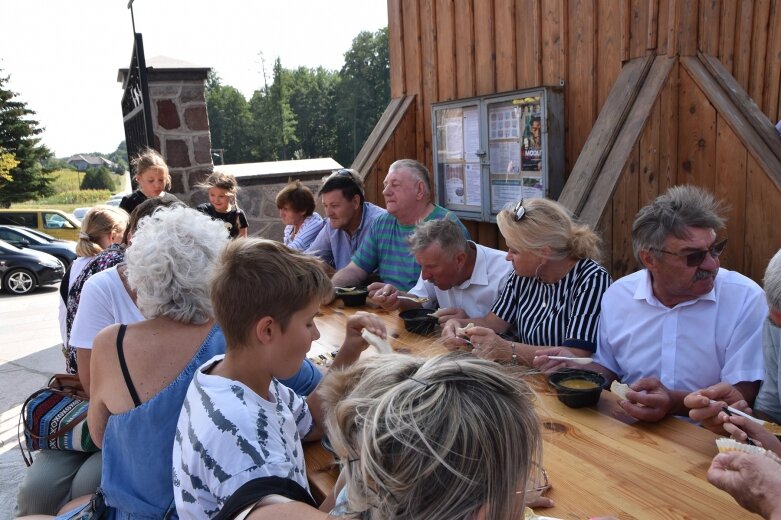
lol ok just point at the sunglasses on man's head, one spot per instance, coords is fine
(697, 257)
(519, 211)
(342, 173)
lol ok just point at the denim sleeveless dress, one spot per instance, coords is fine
(137, 477)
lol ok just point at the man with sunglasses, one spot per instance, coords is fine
(682, 324)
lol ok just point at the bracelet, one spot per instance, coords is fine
(513, 355)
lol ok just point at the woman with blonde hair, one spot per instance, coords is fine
(553, 296)
(103, 227)
(447, 438)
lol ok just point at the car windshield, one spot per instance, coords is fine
(13, 234)
(8, 248)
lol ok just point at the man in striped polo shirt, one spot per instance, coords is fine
(407, 195)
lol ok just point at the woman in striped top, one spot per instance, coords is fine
(553, 296)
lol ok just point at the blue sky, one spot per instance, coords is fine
(63, 56)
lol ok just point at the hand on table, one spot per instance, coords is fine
(451, 340)
(753, 480)
(648, 400)
(488, 344)
(385, 295)
(706, 413)
(548, 366)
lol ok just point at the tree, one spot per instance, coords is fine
(273, 121)
(229, 121)
(363, 92)
(7, 163)
(99, 178)
(18, 138)
(312, 101)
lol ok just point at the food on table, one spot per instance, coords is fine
(619, 389)
(579, 384)
(461, 330)
(377, 342)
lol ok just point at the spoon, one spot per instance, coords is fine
(345, 289)
(576, 360)
(413, 299)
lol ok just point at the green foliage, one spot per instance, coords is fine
(71, 199)
(97, 179)
(18, 133)
(304, 112)
(7, 163)
(119, 156)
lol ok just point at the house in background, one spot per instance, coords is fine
(82, 162)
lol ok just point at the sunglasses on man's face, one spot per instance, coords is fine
(698, 257)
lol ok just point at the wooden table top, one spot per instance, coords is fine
(599, 460)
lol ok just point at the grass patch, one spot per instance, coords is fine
(68, 196)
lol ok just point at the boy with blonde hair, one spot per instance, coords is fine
(239, 423)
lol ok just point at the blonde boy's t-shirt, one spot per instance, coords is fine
(228, 435)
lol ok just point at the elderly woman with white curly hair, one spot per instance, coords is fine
(140, 372)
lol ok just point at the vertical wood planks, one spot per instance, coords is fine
(554, 27)
(465, 48)
(485, 54)
(428, 40)
(742, 53)
(648, 167)
(412, 59)
(396, 48)
(624, 211)
(709, 26)
(638, 27)
(728, 22)
(731, 158)
(446, 50)
(663, 17)
(688, 19)
(763, 238)
(528, 24)
(697, 135)
(759, 36)
(668, 137)
(772, 90)
(505, 41)
(608, 58)
(581, 91)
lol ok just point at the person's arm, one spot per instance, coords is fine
(649, 400)
(768, 401)
(348, 354)
(101, 367)
(349, 276)
(288, 511)
(309, 230)
(321, 246)
(243, 224)
(491, 323)
(387, 296)
(705, 405)
(83, 359)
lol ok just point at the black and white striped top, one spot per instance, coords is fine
(565, 313)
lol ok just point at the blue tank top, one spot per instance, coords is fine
(137, 476)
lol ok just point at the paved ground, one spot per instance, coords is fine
(29, 354)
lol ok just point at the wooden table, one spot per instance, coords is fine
(599, 460)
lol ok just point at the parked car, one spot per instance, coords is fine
(62, 250)
(79, 213)
(51, 221)
(22, 270)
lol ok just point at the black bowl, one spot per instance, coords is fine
(419, 321)
(577, 397)
(353, 298)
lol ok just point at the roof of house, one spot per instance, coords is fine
(300, 166)
(94, 160)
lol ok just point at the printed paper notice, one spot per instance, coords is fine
(505, 157)
(504, 192)
(472, 176)
(471, 134)
(454, 184)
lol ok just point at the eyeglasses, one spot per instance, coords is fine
(344, 172)
(698, 257)
(519, 211)
(540, 481)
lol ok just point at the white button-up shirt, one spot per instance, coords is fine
(478, 293)
(716, 337)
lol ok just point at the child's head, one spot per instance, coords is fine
(151, 173)
(222, 189)
(145, 209)
(258, 278)
(102, 225)
(440, 438)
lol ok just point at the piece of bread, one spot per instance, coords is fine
(377, 342)
(619, 389)
(461, 330)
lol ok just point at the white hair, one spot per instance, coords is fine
(772, 282)
(169, 262)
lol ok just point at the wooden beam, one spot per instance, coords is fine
(396, 48)
(627, 138)
(604, 133)
(381, 134)
(754, 117)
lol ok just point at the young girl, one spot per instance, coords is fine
(152, 177)
(222, 204)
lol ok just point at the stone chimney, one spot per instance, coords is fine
(179, 120)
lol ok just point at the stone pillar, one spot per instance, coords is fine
(179, 121)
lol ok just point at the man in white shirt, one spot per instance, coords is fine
(460, 277)
(682, 324)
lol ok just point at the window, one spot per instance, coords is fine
(494, 150)
(55, 221)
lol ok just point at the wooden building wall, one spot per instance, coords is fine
(443, 50)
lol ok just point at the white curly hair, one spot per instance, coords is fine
(173, 252)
